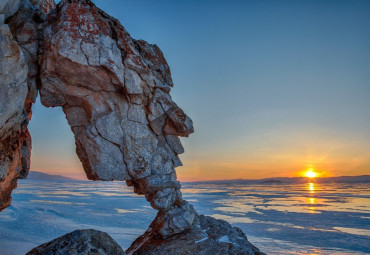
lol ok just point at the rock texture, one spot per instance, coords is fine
(15, 139)
(13, 116)
(115, 93)
(80, 242)
(20, 37)
(216, 237)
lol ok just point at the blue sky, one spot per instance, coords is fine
(273, 87)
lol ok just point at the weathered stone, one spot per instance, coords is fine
(216, 237)
(113, 89)
(13, 117)
(44, 5)
(19, 73)
(133, 82)
(9, 7)
(2, 18)
(175, 144)
(80, 242)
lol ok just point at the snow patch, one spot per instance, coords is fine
(225, 239)
(203, 239)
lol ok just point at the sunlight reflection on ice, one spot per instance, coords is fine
(354, 231)
(126, 211)
(232, 219)
(280, 219)
(56, 202)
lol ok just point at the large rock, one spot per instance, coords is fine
(13, 116)
(9, 7)
(114, 91)
(216, 237)
(80, 242)
(19, 76)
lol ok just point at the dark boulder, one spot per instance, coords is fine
(80, 242)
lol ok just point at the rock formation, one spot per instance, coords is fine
(80, 242)
(13, 116)
(19, 73)
(211, 236)
(115, 93)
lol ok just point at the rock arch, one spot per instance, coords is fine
(114, 91)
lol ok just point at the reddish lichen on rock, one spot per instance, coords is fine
(114, 91)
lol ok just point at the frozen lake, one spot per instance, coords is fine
(279, 219)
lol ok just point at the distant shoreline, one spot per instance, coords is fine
(292, 180)
(35, 175)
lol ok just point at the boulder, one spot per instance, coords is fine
(80, 242)
(19, 80)
(216, 237)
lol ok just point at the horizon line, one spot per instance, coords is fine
(217, 180)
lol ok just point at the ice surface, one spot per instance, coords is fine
(279, 219)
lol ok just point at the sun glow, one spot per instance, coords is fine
(310, 173)
(311, 187)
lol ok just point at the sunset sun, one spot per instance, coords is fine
(310, 174)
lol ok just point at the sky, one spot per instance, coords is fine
(273, 87)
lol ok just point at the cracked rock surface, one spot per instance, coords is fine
(114, 91)
(216, 237)
(19, 72)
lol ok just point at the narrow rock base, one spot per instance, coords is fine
(210, 236)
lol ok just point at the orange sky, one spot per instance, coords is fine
(270, 151)
(291, 159)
